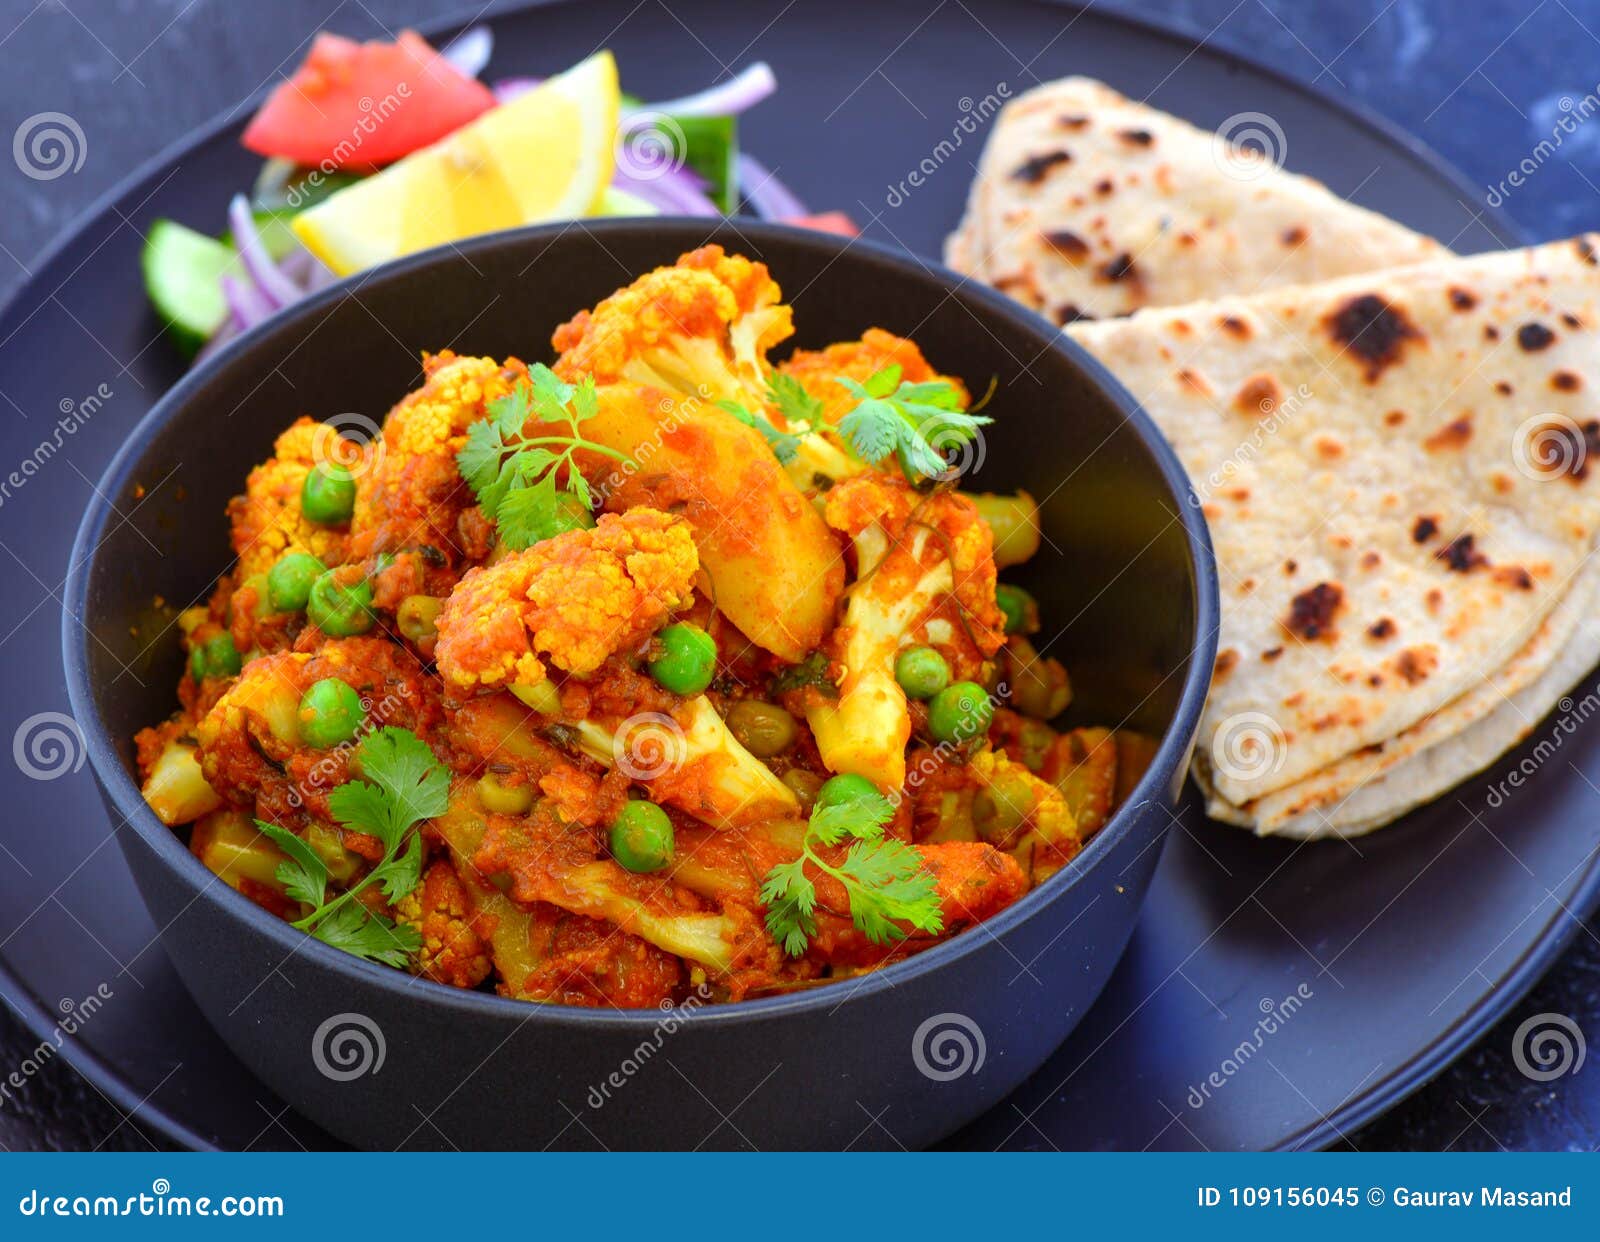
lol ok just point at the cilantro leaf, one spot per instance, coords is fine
(784, 445)
(915, 422)
(303, 874)
(502, 462)
(883, 877)
(793, 401)
(404, 783)
(357, 930)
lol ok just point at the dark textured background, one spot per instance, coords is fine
(1480, 81)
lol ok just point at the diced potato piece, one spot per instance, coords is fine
(176, 788)
(1135, 751)
(1083, 765)
(774, 565)
(228, 843)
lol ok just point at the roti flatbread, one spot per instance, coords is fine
(1367, 790)
(1397, 473)
(1089, 205)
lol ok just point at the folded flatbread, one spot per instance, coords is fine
(1402, 476)
(1090, 205)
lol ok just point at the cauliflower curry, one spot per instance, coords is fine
(658, 670)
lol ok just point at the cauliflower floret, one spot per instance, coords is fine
(925, 573)
(441, 912)
(413, 494)
(267, 521)
(819, 370)
(701, 328)
(571, 600)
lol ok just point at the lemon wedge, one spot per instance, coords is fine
(548, 154)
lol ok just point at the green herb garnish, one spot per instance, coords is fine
(530, 485)
(802, 414)
(404, 784)
(883, 877)
(910, 421)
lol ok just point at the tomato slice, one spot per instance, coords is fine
(359, 105)
(827, 222)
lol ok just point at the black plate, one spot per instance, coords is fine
(1410, 943)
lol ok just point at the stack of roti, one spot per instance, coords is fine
(1400, 467)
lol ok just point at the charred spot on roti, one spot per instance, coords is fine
(1194, 382)
(1290, 567)
(1104, 186)
(1381, 629)
(1370, 560)
(1259, 394)
(1571, 320)
(1394, 418)
(1425, 529)
(1224, 663)
(1311, 612)
(1234, 327)
(1294, 235)
(1137, 137)
(1241, 494)
(1071, 312)
(1534, 336)
(1035, 168)
(1434, 598)
(1271, 654)
(1586, 250)
(1415, 663)
(1502, 483)
(1462, 299)
(1372, 330)
(1072, 120)
(1118, 268)
(1066, 243)
(1566, 381)
(1515, 577)
(1188, 240)
(1460, 555)
(1452, 435)
(1329, 448)
(1490, 332)
(1375, 680)
(1504, 388)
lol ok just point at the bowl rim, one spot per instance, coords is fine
(686, 232)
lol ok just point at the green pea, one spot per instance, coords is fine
(846, 787)
(416, 616)
(328, 496)
(330, 713)
(570, 514)
(960, 712)
(503, 799)
(764, 729)
(216, 657)
(1021, 610)
(687, 658)
(641, 837)
(340, 610)
(804, 785)
(921, 671)
(289, 581)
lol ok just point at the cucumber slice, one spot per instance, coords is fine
(183, 273)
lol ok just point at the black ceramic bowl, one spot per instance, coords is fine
(923, 1046)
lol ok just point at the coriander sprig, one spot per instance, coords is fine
(910, 421)
(530, 485)
(802, 415)
(883, 877)
(405, 784)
